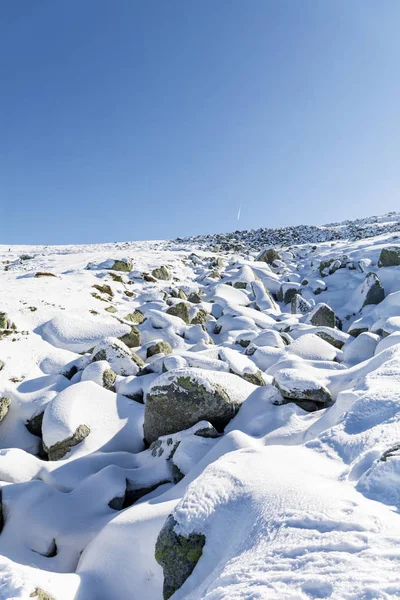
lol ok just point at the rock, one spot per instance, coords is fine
(180, 310)
(131, 339)
(389, 257)
(160, 273)
(34, 424)
(122, 265)
(372, 290)
(194, 298)
(111, 309)
(328, 267)
(40, 594)
(299, 305)
(177, 555)
(287, 291)
(60, 449)
(263, 298)
(101, 373)
(5, 322)
(135, 317)
(118, 355)
(201, 317)
(44, 274)
(179, 399)
(104, 289)
(160, 347)
(296, 385)
(322, 316)
(5, 403)
(132, 495)
(268, 256)
(360, 349)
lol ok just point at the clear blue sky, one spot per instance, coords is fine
(146, 119)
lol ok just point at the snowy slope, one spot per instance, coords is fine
(202, 419)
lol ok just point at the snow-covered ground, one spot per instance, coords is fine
(202, 418)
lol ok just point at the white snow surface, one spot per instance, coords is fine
(293, 505)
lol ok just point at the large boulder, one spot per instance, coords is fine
(389, 257)
(178, 555)
(179, 399)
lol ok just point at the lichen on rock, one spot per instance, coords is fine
(178, 556)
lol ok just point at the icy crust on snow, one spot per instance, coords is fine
(255, 326)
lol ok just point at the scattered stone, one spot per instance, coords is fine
(389, 257)
(322, 316)
(160, 273)
(5, 322)
(124, 265)
(180, 310)
(268, 256)
(135, 317)
(34, 424)
(372, 290)
(177, 555)
(179, 399)
(131, 339)
(60, 449)
(299, 305)
(5, 403)
(200, 318)
(104, 289)
(296, 386)
(194, 298)
(160, 347)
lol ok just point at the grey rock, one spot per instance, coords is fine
(177, 556)
(60, 449)
(389, 257)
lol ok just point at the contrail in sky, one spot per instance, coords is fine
(238, 217)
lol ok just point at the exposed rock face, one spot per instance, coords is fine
(179, 399)
(60, 449)
(389, 257)
(177, 555)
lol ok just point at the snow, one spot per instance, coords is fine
(292, 504)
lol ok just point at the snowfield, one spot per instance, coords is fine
(210, 418)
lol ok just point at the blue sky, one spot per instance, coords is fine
(145, 119)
